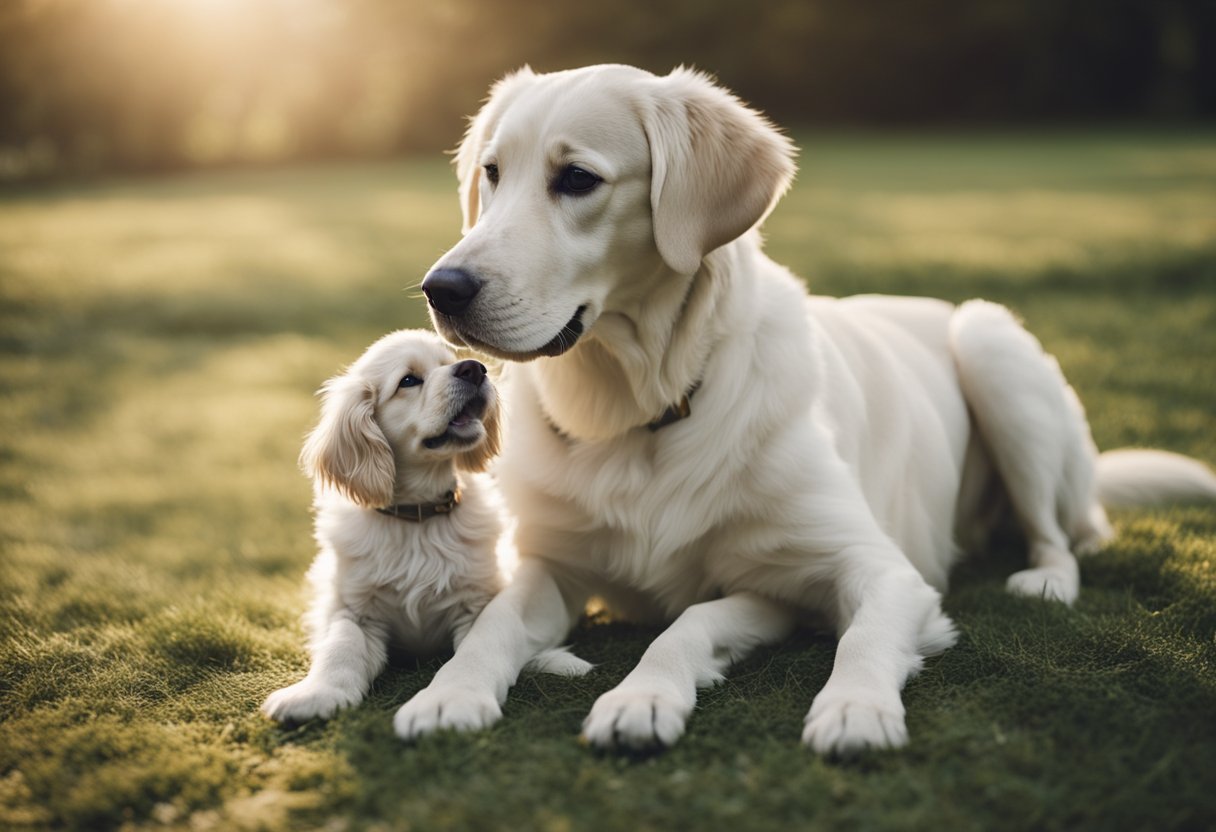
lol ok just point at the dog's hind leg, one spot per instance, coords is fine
(1035, 431)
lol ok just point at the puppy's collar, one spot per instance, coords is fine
(417, 512)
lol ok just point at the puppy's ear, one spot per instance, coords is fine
(347, 449)
(481, 129)
(478, 458)
(717, 167)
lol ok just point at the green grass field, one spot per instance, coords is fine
(160, 342)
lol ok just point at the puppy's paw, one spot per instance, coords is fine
(453, 709)
(307, 700)
(841, 724)
(1053, 584)
(560, 662)
(636, 718)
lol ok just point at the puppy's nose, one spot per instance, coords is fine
(474, 372)
(450, 291)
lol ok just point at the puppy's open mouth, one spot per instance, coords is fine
(565, 339)
(463, 426)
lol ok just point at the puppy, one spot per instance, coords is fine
(407, 526)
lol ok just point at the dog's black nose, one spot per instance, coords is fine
(450, 291)
(474, 372)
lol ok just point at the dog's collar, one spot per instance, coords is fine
(417, 512)
(678, 411)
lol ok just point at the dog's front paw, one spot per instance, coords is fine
(456, 709)
(842, 724)
(1050, 583)
(636, 718)
(307, 700)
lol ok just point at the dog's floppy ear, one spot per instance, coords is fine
(717, 167)
(347, 449)
(481, 129)
(478, 458)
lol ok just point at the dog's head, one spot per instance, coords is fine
(582, 190)
(406, 402)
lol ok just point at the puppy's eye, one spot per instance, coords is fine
(492, 173)
(576, 180)
(410, 381)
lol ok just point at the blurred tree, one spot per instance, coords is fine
(152, 84)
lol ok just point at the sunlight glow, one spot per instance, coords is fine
(214, 7)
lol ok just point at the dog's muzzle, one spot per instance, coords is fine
(468, 407)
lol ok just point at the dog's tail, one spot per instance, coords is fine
(1133, 477)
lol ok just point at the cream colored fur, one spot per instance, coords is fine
(378, 579)
(837, 454)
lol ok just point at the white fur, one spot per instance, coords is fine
(839, 455)
(1134, 477)
(378, 579)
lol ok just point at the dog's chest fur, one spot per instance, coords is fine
(419, 582)
(656, 521)
(738, 496)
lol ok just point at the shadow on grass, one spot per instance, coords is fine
(1038, 711)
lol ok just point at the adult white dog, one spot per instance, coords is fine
(691, 437)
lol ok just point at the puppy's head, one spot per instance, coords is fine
(583, 190)
(406, 402)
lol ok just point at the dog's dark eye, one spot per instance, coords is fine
(410, 381)
(575, 180)
(492, 173)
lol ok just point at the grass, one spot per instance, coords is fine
(159, 344)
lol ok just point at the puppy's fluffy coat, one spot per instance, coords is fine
(406, 426)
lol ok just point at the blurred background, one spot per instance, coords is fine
(104, 85)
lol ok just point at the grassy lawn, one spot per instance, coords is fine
(160, 341)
